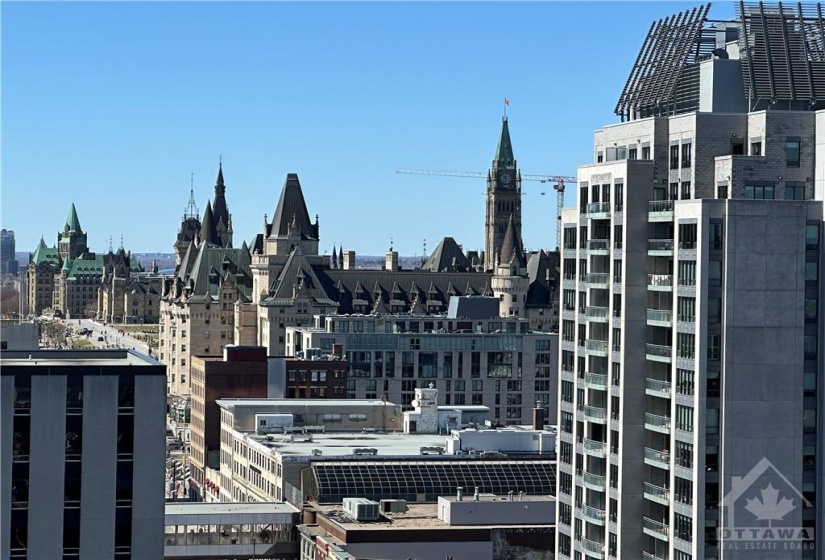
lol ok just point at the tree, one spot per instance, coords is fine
(9, 301)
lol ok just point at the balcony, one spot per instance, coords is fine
(657, 494)
(660, 282)
(596, 210)
(594, 482)
(659, 353)
(597, 314)
(598, 246)
(660, 317)
(652, 556)
(595, 381)
(655, 529)
(596, 347)
(593, 548)
(659, 459)
(657, 388)
(595, 448)
(656, 423)
(660, 247)
(596, 280)
(595, 414)
(660, 211)
(594, 515)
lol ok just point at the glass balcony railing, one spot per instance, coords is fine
(598, 244)
(596, 313)
(595, 448)
(660, 206)
(656, 492)
(595, 414)
(655, 528)
(657, 387)
(657, 458)
(597, 208)
(659, 316)
(599, 346)
(594, 481)
(595, 515)
(658, 351)
(652, 556)
(593, 548)
(660, 281)
(595, 380)
(596, 278)
(658, 423)
(660, 245)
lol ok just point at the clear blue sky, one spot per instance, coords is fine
(112, 106)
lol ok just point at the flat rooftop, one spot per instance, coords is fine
(91, 357)
(219, 508)
(418, 516)
(292, 404)
(335, 444)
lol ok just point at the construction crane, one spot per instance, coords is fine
(558, 181)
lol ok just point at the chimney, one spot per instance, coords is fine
(538, 417)
(510, 496)
(391, 260)
(475, 495)
(459, 494)
(349, 260)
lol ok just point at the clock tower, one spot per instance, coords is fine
(503, 198)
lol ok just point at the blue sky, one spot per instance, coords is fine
(112, 106)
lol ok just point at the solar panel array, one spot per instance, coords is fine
(426, 480)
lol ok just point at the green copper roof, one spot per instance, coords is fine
(72, 221)
(86, 267)
(134, 265)
(67, 266)
(504, 152)
(45, 254)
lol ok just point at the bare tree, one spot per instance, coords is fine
(9, 301)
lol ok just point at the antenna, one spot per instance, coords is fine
(110, 244)
(191, 210)
(425, 250)
(121, 241)
(391, 244)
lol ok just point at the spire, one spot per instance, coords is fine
(292, 207)
(191, 210)
(220, 212)
(72, 222)
(208, 233)
(504, 152)
(334, 258)
(511, 252)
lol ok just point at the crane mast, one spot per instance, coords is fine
(557, 180)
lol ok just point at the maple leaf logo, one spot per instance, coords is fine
(770, 507)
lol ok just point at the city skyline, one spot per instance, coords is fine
(135, 117)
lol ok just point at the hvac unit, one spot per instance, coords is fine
(361, 509)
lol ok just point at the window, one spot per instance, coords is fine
(756, 148)
(645, 152)
(715, 236)
(684, 381)
(632, 153)
(714, 273)
(811, 274)
(686, 148)
(687, 273)
(712, 420)
(686, 309)
(714, 311)
(792, 153)
(812, 236)
(674, 156)
(809, 420)
(685, 345)
(684, 454)
(685, 190)
(714, 346)
(759, 192)
(687, 236)
(722, 191)
(684, 418)
(683, 491)
(683, 527)
(794, 192)
(811, 310)
(621, 152)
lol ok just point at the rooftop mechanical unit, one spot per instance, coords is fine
(361, 509)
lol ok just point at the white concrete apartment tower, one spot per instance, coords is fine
(691, 382)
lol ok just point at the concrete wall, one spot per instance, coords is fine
(422, 550)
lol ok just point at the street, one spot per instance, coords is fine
(111, 337)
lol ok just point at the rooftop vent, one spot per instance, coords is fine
(365, 451)
(361, 509)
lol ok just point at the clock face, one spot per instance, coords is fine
(506, 178)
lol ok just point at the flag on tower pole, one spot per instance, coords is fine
(506, 104)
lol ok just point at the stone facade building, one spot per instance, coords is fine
(68, 278)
